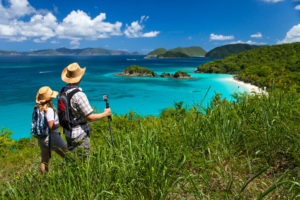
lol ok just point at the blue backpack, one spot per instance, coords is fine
(39, 125)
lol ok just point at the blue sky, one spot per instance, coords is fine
(146, 25)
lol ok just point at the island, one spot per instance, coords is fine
(66, 51)
(179, 52)
(136, 71)
(267, 66)
(230, 49)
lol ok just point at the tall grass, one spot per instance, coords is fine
(244, 149)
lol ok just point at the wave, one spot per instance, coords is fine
(43, 72)
(131, 59)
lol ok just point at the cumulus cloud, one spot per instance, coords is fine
(76, 26)
(257, 35)
(135, 30)
(221, 37)
(293, 35)
(297, 7)
(272, 1)
(247, 42)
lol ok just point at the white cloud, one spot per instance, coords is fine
(76, 26)
(297, 7)
(221, 37)
(257, 35)
(247, 42)
(135, 30)
(189, 38)
(272, 1)
(292, 35)
(55, 42)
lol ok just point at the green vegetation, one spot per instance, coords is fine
(136, 69)
(263, 66)
(43, 52)
(158, 51)
(179, 73)
(191, 51)
(10, 53)
(173, 54)
(229, 49)
(244, 149)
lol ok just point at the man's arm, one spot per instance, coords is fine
(94, 117)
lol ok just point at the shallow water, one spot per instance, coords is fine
(22, 76)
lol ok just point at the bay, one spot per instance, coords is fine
(22, 76)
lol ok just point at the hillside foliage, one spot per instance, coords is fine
(190, 51)
(158, 51)
(173, 54)
(229, 49)
(244, 149)
(278, 64)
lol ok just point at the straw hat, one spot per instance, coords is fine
(44, 94)
(73, 73)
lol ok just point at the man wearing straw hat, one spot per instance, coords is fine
(78, 139)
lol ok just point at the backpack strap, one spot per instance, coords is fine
(71, 94)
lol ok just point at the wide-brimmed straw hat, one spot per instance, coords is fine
(44, 94)
(73, 73)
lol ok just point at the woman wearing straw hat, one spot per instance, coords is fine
(44, 103)
(78, 139)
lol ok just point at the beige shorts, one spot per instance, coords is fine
(56, 142)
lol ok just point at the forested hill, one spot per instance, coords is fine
(262, 66)
(190, 51)
(66, 51)
(158, 51)
(229, 49)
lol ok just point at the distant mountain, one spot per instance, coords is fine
(173, 54)
(229, 49)
(193, 51)
(158, 51)
(66, 51)
(190, 51)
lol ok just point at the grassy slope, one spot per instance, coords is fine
(158, 51)
(173, 54)
(246, 148)
(229, 49)
(190, 51)
(262, 66)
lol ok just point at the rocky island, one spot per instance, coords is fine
(136, 71)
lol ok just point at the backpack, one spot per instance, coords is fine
(39, 125)
(65, 116)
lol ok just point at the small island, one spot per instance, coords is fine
(136, 71)
(173, 54)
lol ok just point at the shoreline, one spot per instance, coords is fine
(251, 88)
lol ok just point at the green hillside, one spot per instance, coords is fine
(262, 66)
(10, 53)
(43, 52)
(173, 54)
(190, 51)
(64, 50)
(158, 51)
(229, 49)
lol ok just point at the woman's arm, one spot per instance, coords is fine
(53, 126)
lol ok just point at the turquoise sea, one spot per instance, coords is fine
(22, 76)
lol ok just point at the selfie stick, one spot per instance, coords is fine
(109, 119)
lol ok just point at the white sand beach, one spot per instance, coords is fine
(251, 88)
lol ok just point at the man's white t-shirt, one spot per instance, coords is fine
(50, 117)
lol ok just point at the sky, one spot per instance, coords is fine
(132, 25)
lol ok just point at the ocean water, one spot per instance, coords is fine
(22, 76)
